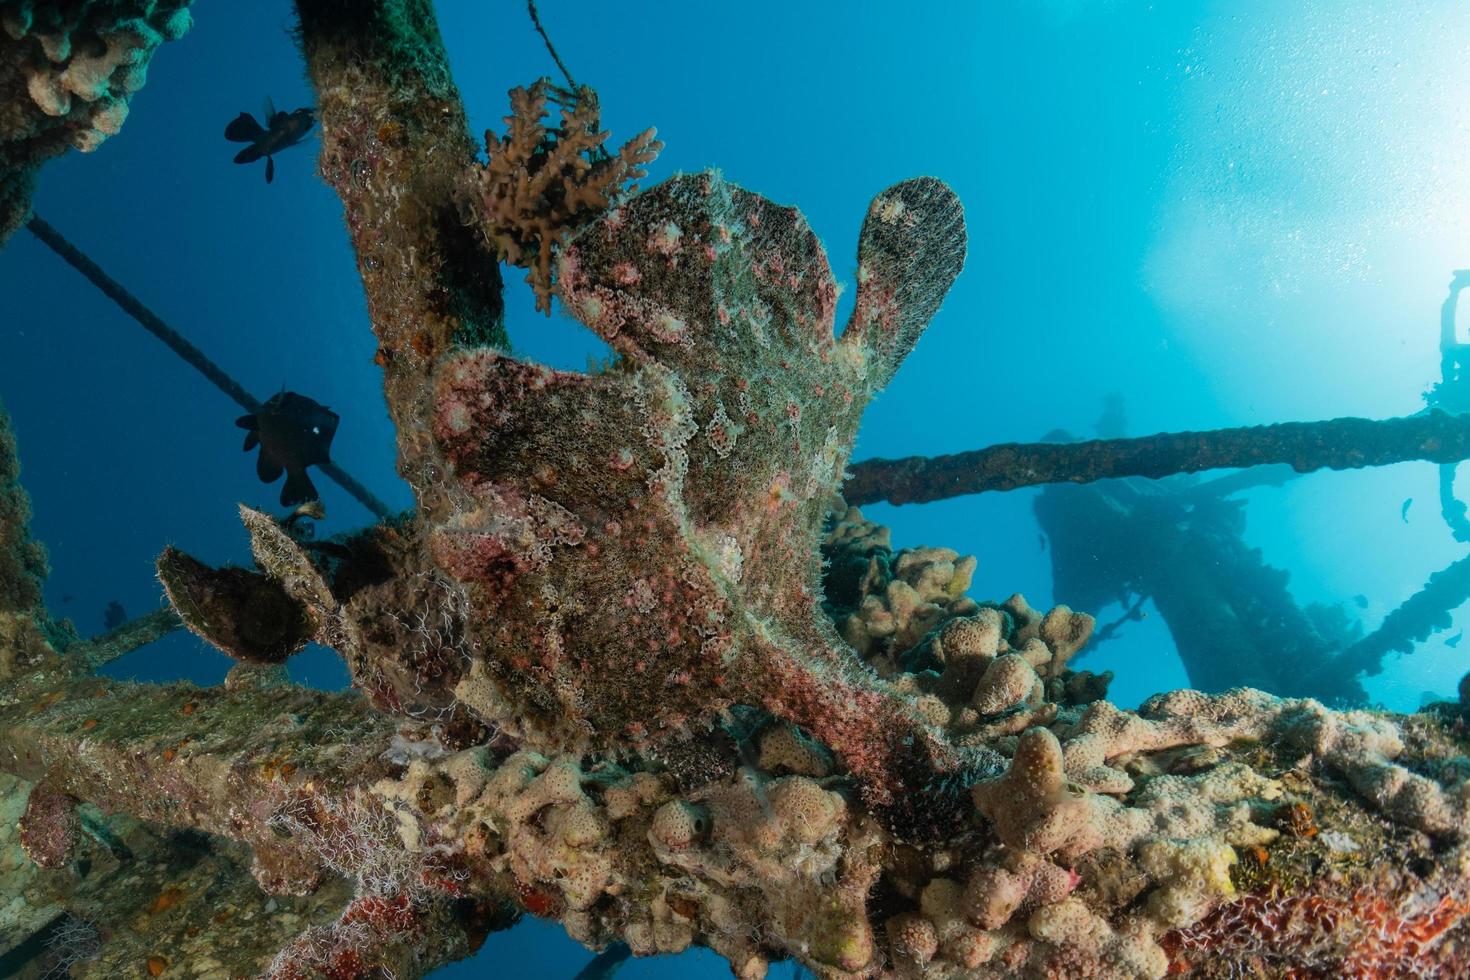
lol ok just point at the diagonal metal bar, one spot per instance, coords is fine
(181, 346)
(99, 651)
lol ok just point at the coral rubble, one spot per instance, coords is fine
(68, 72)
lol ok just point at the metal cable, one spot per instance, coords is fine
(176, 342)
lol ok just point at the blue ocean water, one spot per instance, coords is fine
(1229, 213)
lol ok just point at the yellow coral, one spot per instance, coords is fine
(540, 185)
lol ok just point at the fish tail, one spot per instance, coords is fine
(298, 489)
(244, 128)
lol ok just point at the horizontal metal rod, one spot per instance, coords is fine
(1346, 443)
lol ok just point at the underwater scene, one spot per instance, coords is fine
(572, 490)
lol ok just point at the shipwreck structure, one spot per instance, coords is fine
(632, 665)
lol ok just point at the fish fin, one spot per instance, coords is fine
(270, 169)
(267, 468)
(252, 439)
(270, 110)
(298, 489)
(248, 422)
(248, 155)
(244, 129)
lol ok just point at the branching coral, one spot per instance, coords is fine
(541, 185)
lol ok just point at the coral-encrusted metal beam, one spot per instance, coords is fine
(1428, 610)
(396, 148)
(215, 759)
(132, 635)
(279, 768)
(1339, 444)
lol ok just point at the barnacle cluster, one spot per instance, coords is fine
(542, 184)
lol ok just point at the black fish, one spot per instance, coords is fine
(1404, 510)
(281, 129)
(114, 615)
(1454, 641)
(293, 432)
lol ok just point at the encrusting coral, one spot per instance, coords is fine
(633, 666)
(23, 623)
(68, 71)
(22, 560)
(1114, 844)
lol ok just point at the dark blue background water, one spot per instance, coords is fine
(1227, 215)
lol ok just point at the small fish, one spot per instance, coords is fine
(1361, 601)
(113, 616)
(67, 598)
(1404, 510)
(293, 432)
(1454, 641)
(281, 129)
